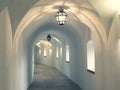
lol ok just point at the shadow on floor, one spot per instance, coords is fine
(49, 78)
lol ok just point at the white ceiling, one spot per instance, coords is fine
(107, 9)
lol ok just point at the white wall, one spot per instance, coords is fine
(114, 53)
(13, 70)
(16, 73)
(5, 51)
(77, 68)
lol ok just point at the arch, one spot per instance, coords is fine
(87, 17)
(36, 18)
(67, 53)
(113, 53)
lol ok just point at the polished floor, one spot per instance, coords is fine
(49, 78)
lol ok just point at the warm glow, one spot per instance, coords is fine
(90, 56)
(57, 53)
(61, 51)
(73, 10)
(50, 51)
(39, 50)
(67, 54)
(45, 52)
(106, 7)
(56, 39)
(112, 4)
(61, 16)
(45, 42)
(38, 44)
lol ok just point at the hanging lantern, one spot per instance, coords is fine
(61, 16)
(49, 37)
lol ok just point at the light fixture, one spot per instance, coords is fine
(61, 16)
(49, 37)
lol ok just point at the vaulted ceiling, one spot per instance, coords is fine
(107, 9)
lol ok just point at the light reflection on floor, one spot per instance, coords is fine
(48, 78)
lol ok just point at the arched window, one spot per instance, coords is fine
(40, 50)
(67, 54)
(90, 56)
(45, 51)
(57, 52)
(61, 52)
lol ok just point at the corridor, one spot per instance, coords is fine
(59, 44)
(48, 78)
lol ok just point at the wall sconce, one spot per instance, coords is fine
(61, 16)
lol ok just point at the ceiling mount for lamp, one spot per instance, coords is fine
(49, 37)
(61, 16)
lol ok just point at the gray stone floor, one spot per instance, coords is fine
(49, 78)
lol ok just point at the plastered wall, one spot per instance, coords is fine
(114, 52)
(16, 70)
(5, 51)
(76, 70)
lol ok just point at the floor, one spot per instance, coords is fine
(49, 78)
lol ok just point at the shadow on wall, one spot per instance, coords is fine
(114, 53)
(29, 26)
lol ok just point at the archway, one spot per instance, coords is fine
(86, 25)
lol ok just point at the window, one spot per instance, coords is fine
(67, 54)
(90, 56)
(57, 52)
(61, 52)
(45, 52)
(40, 50)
